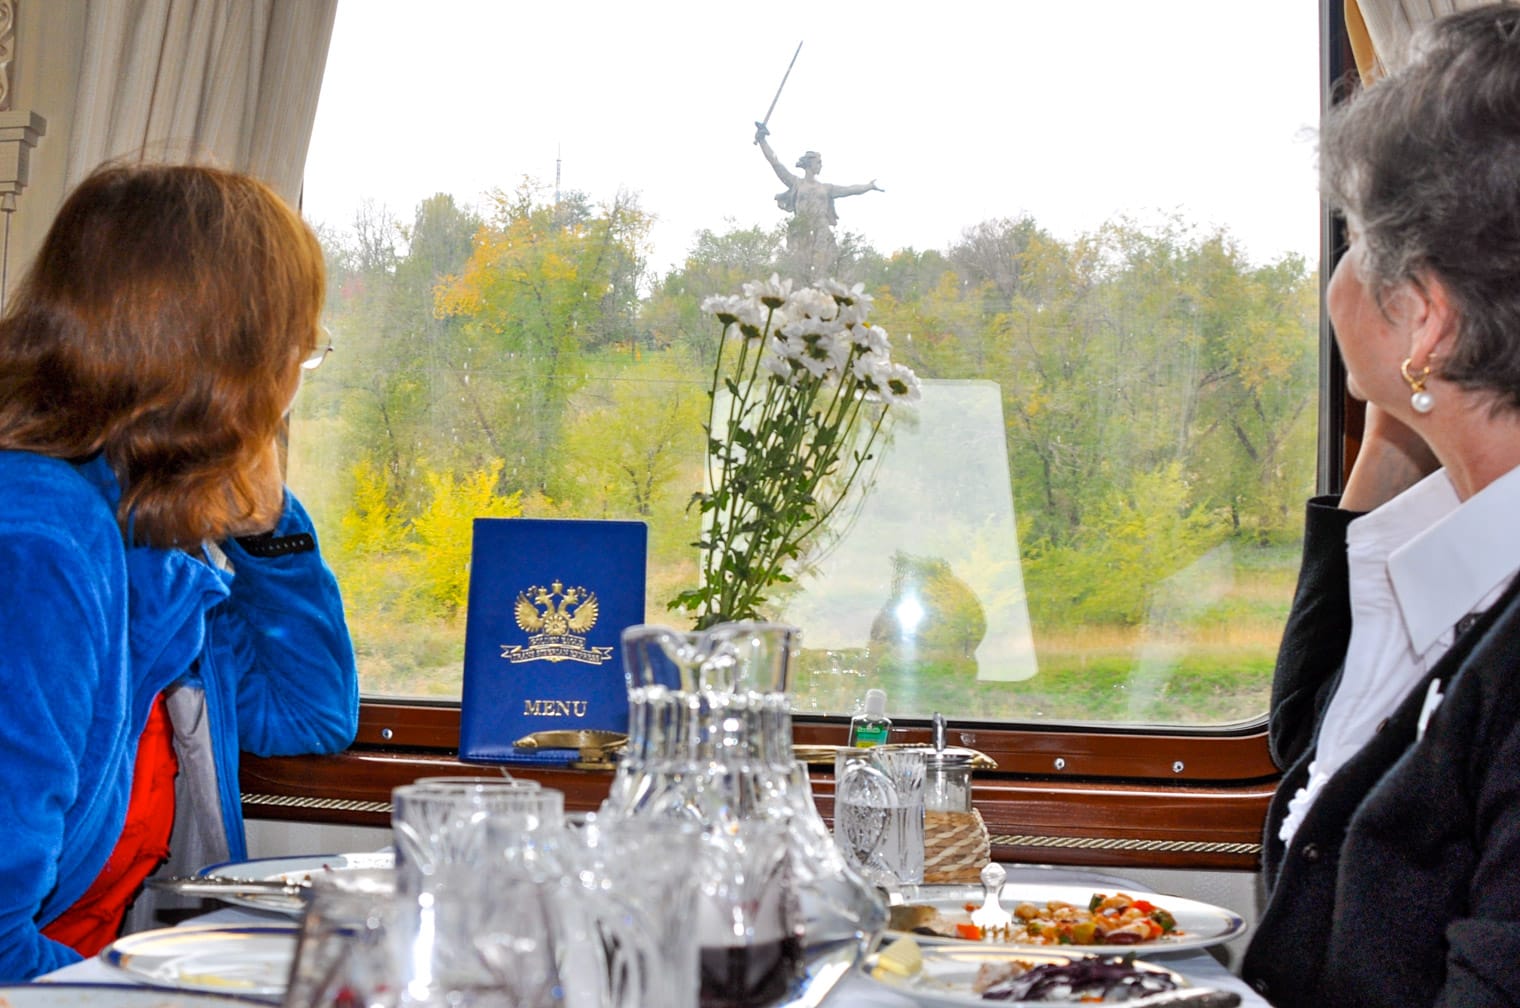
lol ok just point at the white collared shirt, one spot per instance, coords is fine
(1417, 565)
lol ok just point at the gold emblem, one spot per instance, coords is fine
(556, 620)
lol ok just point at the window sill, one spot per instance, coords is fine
(1082, 798)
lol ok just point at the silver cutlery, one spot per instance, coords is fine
(211, 885)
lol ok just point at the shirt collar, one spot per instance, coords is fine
(1470, 550)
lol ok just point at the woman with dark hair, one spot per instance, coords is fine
(1392, 847)
(163, 601)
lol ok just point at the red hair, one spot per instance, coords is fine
(163, 323)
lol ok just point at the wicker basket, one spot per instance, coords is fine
(956, 848)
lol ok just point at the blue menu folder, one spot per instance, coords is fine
(549, 600)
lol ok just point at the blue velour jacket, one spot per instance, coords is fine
(92, 632)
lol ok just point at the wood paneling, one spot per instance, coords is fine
(1095, 797)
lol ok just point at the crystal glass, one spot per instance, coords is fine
(480, 905)
(346, 952)
(439, 823)
(902, 845)
(710, 730)
(635, 892)
(502, 780)
(879, 813)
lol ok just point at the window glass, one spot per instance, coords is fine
(1093, 236)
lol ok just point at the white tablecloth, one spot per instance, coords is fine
(855, 991)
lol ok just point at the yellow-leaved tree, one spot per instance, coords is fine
(438, 550)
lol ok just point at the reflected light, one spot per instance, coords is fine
(909, 613)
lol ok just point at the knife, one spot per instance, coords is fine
(212, 885)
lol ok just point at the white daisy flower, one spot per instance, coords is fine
(781, 367)
(823, 354)
(846, 295)
(871, 339)
(787, 349)
(748, 313)
(807, 328)
(898, 384)
(773, 293)
(728, 308)
(813, 303)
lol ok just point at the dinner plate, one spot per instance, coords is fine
(947, 973)
(250, 959)
(46, 994)
(1200, 924)
(291, 869)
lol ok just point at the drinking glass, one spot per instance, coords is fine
(345, 953)
(862, 796)
(635, 895)
(502, 780)
(478, 894)
(439, 823)
(879, 813)
(902, 846)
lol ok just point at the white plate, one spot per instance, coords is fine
(1200, 924)
(45, 994)
(252, 959)
(292, 869)
(945, 980)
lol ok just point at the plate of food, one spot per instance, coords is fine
(250, 959)
(294, 870)
(1065, 919)
(972, 976)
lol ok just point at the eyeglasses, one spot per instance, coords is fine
(316, 357)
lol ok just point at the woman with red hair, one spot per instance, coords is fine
(163, 600)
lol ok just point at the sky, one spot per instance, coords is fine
(961, 110)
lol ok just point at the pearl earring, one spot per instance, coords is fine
(1420, 400)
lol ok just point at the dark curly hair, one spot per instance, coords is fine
(1425, 163)
(163, 324)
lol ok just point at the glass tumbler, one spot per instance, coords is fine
(634, 895)
(879, 813)
(348, 951)
(902, 847)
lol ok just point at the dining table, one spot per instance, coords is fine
(854, 990)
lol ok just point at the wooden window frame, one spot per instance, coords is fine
(1070, 795)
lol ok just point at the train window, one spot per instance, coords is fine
(1092, 230)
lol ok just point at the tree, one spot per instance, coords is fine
(544, 283)
(717, 264)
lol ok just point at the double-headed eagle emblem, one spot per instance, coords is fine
(556, 610)
(556, 620)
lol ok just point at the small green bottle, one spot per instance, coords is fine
(871, 726)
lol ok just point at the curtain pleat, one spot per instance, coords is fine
(229, 82)
(1361, 43)
(1388, 26)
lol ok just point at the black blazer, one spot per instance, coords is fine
(1402, 886)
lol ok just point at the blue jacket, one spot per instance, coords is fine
(92, 632)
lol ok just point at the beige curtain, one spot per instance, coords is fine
(229, 82)
(1380, 29)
